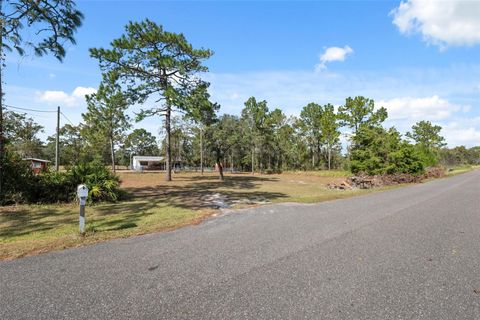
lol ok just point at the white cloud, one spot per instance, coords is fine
(442, 23)
(333, 54)
(457, 128)
(234, 96)
(431, 108)
(76, 98)
(458, 135)
(81, 92)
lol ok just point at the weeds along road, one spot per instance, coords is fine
(409, 253)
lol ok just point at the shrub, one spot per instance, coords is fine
(406, 159)
(17, 179)
(53, 187)
(22, 186)
(377, 151)
(103, 185)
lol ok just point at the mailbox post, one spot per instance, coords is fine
(82, 194)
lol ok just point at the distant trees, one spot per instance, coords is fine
(21, 133)
(322, 129)
(223, 137)
(254, 116)
(459, 156)
(203, 114)
(360, 111)
(158, 68)
(140, 142)
(52, 24)
(71, 144)
(330, 131)
(310, 124)
(427, 135)
(276, 142)
(428, 140)
(106, 119)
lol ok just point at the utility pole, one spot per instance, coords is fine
(2, 145)
(201, 149)
(57, 142)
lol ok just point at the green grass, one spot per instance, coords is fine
(460, 169)
(26, 230)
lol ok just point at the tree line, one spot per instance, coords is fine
(257, 140)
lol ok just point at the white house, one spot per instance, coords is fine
(140, 163)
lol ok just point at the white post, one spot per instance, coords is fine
(82, 194)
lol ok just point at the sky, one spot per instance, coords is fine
(419, 59)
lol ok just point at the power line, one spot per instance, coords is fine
(36, 110)
(28, 109)
(67, 118)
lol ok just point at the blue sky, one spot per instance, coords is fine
(420, 59)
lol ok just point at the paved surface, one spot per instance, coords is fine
(410, 253)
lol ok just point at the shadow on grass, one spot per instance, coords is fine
(197, 192)
(117, 224)
(23, 221)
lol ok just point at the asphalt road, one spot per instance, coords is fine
(409, 253)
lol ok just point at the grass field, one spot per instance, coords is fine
(156, 205)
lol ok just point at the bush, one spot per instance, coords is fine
(22, 186)
(377, 151)
(102, 184)
(17, 179)
(51, 187)
(405, 160)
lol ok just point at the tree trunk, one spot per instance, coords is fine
(260, 158)
(231, 162)
(201, 150)
(112, 152)
(2, 148)
(220, 167)
(329, 156)
(168, 153)
(253, 160)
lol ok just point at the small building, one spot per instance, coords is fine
(37, 165)
(140, 163)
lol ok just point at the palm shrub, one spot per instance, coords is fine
(53, 187)
(102, 184)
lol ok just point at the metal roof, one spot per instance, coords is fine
(148, 158)
(36, 159)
